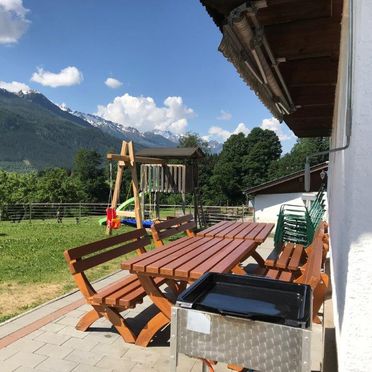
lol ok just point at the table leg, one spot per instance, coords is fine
(258, 258)
(238, 270)
(161, 319)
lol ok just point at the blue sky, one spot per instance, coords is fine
(164, 54)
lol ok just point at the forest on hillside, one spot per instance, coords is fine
(245, 161)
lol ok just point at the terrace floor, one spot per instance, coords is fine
(45, 339)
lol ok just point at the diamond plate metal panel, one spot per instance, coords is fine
(253, 344)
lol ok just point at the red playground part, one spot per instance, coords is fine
(112, 221)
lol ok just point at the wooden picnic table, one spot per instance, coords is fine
(239, 230)
(257, 232)
(180, 262)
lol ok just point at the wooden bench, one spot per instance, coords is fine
(304, 265)
(173, 226)
(123, 294)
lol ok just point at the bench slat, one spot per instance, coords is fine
(83, 250)
(172, 222)
(87, 263)
(272, 273)
(98, 298)
(286, 276)
(282, 262)
(178, 229)
(138, 294)
(295, 260)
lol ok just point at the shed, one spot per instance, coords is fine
(268, 197)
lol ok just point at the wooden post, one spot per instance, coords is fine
(133, 170)
(119, 176)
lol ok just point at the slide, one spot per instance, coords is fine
(121, 207)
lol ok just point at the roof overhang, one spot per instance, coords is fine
(287, 51)
(293, 182)
(172, 152)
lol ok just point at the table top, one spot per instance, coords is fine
(190, 257)
(238, 230)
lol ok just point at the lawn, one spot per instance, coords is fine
(32, 266)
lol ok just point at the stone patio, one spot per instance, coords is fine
(45, 339)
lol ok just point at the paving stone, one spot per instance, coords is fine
(88, 368)
(143, 356)
(77, 313)
(72, 331)
(85, 308)
(7, 352)
(26, 369)
(79, 344)
(52, 338)
(140, 367)
(85, 357)
(114, 363)
(26, 359)
(10, 365)
(67, 320)
(25, 345)
(57, 365)
(103, 337)
(34, 334)
(54, 351)
(52, 327)
(117, 349)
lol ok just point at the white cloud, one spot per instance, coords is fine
(274, 125)
(143, 113)
(13, 21)
(224, 115)
(113, 83)
(14, 86)
(66, 77)
(223, 134)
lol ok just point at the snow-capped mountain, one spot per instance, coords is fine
(156, 138)
(146, 139)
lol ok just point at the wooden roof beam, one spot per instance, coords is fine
(304, 39)
(138, 159)
(284, 11)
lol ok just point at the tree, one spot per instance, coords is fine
(88, 169)
(56, 186)
(295, 159)
(191, 139)
(244, 162)
(264, 148)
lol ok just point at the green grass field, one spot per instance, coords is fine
(32, 267)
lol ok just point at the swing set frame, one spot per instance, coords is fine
(128, 159)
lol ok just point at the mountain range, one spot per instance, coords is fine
(35, 133)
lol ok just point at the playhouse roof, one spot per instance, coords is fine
(172, 152)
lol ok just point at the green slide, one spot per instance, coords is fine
(121, 207)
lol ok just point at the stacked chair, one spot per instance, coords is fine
(297, 224)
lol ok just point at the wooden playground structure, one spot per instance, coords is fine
(156, 176)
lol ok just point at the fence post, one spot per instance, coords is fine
(30, 211)
(242, 212)
(79, 211)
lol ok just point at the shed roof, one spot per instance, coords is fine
(304, 39)
(172, 152)
(293, 182)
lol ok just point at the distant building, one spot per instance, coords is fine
(267, 198)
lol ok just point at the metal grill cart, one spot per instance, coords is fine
(253, 322)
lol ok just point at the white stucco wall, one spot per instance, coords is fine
(267, 206)
(350, 202)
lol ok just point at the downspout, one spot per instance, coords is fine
(349, 107)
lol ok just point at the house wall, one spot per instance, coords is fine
(350, 201)
(267, 206)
